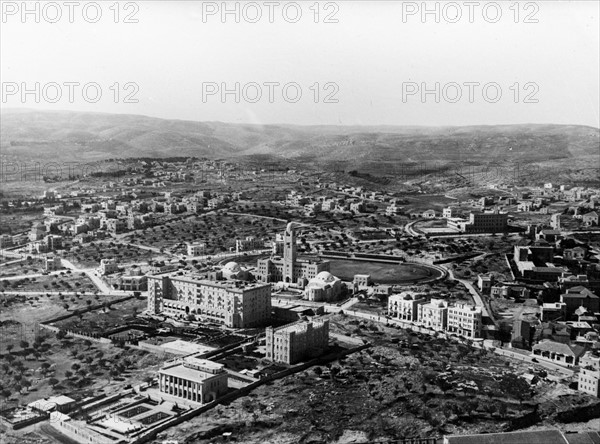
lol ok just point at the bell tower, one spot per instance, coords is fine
(289, 253)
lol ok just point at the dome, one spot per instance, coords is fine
(326, 276)
(233, 267)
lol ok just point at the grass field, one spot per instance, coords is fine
(382, 273)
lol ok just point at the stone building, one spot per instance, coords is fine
(231, 303)
(193, 379)
(294, 342)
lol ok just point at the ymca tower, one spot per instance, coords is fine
(289, 253)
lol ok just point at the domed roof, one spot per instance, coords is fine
(326, 276)
(233, 267)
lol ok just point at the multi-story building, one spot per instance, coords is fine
(134, 280)
(447, 213)
(579, 296)
(196, 249)
(480, 222)
(193, 379)
(434, 314)
(52, 263)
(108, 266)
(293, 342)
(6, 241)
(404, 306)
(289, 268)
(231, 303)
(464, 320)
(589, 374)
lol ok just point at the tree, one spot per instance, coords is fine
(52, 381)
(24, 344)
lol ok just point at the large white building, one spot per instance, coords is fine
(232, 303)
(481, 222)
(193, 379)
(404, 306)
(289, 268)
(294, 342)
(464, 320)
(434, 314)
(323, 287)
(589, 374)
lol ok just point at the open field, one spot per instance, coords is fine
(382, 273)
(65, 281)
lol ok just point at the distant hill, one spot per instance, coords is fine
(78, 136)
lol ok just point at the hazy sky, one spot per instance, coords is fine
(375, 51)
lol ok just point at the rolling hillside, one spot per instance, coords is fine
(75, 136)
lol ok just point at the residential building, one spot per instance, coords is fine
(362, 281)
(553, 311)
(579, 296)
(294, 342)
(231, 303)
(557, 352)
(196, 249)
(447, 212)
(404, 306)
(485, 282)
(589, 374)
(52, 263)
(464, 320)
(193, 379)
(108, 266)
(434, 314)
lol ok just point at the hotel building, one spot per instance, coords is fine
(231, 303)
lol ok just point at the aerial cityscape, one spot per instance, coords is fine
(294, 274)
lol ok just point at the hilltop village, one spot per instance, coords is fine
(190, 300)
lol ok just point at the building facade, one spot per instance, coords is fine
(289, 268)
(404, 306)
(193, 379)
(589, 374)
(464, 320)
(434, 314)
(293, 342)
(232, 303)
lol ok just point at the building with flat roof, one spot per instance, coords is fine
(480, 222)
(464, 320)
(404, 306)
(193, 379)
(235, 304)
(108, 266)
(293, 342)
(589, 374)
(434, 314)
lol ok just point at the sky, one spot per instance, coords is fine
(307, 63)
